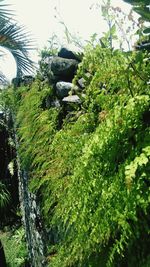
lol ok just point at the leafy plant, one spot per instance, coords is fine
(15, 247)
(90, 168)
(96, 205)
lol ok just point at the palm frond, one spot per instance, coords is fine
(3, 79)
(143, 11)
(138, 2)
(4, 12)
(18, 42)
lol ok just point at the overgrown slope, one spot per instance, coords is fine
(92, 174)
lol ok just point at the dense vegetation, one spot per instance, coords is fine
(90, 167)
(14, 246)
(92, 174)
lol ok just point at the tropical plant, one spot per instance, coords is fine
(142, 7)
(14, 39)
(91, 171)
(121, 26)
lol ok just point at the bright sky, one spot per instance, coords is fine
(42, 20)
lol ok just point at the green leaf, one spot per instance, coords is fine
(113, 29)
(146, 31)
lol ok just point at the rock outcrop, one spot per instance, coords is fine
(32, 222)
(64, 68)
(63, 88)
(65, 53)
(60, 71)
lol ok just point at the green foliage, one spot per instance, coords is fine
(15, 247)
(38, 126)
(141, 7)
(65, 150)
(7, 100)
(121, 26)
(97, 206)
(114, 76)
(138, 163)
(49, 153)
(91, 168)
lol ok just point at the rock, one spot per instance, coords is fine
(58, 68)
(25, 80)
(82, 81)
(66, 53)
(64, 68)
(16, 82)
(72, 99)
(55, 104)
(63, 88)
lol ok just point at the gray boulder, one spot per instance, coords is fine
(66, 53)
(56, 104)
(83, 81)
(64, 68)
(72, 99)
(63, 88)
(25, 80)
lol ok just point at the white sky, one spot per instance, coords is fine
(39, 18)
